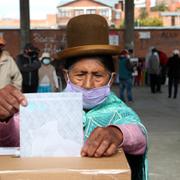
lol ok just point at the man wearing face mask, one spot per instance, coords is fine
(9, 72)
(48, 81)
(29, 64)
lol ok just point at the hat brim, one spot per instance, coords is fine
(88, 50)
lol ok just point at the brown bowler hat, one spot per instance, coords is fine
(87, 35)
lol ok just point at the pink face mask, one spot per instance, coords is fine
(92, 97)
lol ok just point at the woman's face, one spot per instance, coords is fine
(89, 73)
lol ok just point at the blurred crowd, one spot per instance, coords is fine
(154, 70)
(36, 71)
(30, 71)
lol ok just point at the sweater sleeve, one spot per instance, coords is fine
(15, 74)
(134, 140)
(9, 132)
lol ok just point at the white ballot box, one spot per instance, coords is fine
(51, 125)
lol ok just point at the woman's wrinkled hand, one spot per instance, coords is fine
(10, 99)
(103, 141)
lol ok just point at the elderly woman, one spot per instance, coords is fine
(108, 123)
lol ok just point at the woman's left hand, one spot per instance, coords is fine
(103, 141)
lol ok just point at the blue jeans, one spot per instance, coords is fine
(44, 89)
(125, 84)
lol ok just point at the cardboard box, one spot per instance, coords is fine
(71, 168)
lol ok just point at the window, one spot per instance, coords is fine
(64, 13)
(79, 12)
(117, 15)
(104, 12)
(90, 11)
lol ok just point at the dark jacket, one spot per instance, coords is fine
(29, 69)
(173, 66)
(125, 68)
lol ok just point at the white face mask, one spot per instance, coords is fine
(46, 61)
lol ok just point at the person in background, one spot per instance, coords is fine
(138, 78)
(59, 71)
(125, 75)
(107, 122)
(163, 58)
(173, 68)
(147, 76)
(134, 73)
(29, 64)
(48, 81)
(154, 71)
(9, 72)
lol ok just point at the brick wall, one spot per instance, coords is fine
(53, 40)
(165, 40)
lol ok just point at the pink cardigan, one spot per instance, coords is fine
(134, 141)
(9, 132)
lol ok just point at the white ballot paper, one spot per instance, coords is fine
(51, 125)
(9, 151)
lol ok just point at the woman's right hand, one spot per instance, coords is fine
(10, 99)
(103, 141)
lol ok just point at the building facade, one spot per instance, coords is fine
(74, 8)
(114, 15)
(167, 2)
(171, 17)
(48, 23)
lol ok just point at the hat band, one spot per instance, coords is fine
(89, 50)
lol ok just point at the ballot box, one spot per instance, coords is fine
(65, 168)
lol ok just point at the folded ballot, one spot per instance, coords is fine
(51, 125)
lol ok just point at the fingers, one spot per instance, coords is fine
(106, 148)
(92, 144)
(9, 102)
(102, 142)
(20, 98)
(10, 99)
(102, 148)
(4, 113)
(7, 107)
(111, 150)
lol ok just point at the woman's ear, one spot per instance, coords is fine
(65, 73)
(113, 76)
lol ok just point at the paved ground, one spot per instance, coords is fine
(161, 116)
